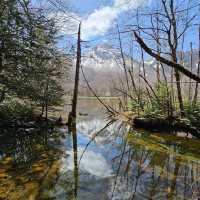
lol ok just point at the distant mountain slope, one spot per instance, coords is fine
(103, 68)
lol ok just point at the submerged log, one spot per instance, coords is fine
(165, 125)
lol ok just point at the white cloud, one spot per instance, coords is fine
(124, 5)
(98, 22)
(93, 163)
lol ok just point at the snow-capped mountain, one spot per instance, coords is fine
(104, 70)
(101, 57)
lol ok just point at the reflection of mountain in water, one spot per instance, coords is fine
(118, 164)
(104, 70)
(96, 128)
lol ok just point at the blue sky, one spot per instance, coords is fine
(99, 19)
(97, 16)
(89, 5)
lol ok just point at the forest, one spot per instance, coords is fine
(99, 99)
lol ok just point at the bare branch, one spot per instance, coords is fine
(172, 64)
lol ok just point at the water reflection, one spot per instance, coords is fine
(98, 160)
(92, 163)
(143, 166)
(155, 171)
(72, 130)
(29, 164)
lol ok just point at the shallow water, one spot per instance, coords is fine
(114, 162)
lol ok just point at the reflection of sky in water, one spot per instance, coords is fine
(96, 167)
(91, 162)
(100, 152)
(153, 166)
(99, 165)
(107, 142)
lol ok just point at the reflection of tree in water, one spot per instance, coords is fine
(80, 180)
(77, 162)
(24, 146)
(143, 169)
(72, 130)
(30, 164)
(148, 173)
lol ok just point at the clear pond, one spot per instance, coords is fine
(105, 161)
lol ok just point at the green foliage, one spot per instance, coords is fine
(133, 105)
(192, 113)
(13, 109)
(30, 64)
(160, 105)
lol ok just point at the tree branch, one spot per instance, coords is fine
(172, 64)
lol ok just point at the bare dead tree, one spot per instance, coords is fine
(198, 73)
(191, 67)
(131, 70)
(72, 114)
(143, 70)
(166, 27)
(173, 44)
(158, 48)
(123, 58)
(166, 61)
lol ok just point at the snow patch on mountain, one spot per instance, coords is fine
(101, 57)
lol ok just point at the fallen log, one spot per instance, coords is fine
(165, 125)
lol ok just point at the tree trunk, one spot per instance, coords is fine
(158, 49)
(178, 84)
(72, 115)
(198, 73)
(46, 100)
(42, 112)
(173, 43)
(191, 66)
(3, 94)
(123, 59)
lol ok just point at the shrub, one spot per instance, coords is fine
(160, 105)
(192, 113)
(15, 109)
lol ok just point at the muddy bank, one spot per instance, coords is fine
(166, 125)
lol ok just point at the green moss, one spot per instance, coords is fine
(159, 144)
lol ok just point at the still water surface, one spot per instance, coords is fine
(107, 161)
